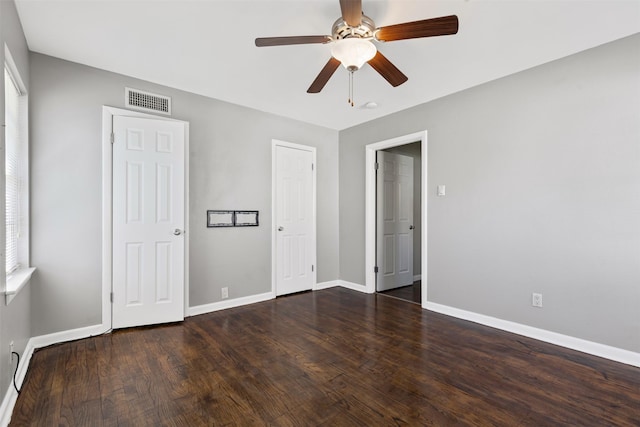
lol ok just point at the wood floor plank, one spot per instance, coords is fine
(329, 358)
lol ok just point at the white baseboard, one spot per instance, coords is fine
(417, 277)
(6, 409)
(326, 285)
(71, 335)
(223, 305)
(10, 397)
(353, 286)
(589, 347)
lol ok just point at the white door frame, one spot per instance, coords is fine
(274, 256)
(370, 207)
(107, 206)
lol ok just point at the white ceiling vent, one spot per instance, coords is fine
(145, 101)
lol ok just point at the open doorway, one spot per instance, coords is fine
(398, 224)
(420, 222)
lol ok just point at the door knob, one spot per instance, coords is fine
(411, 227)
(280, 228)
(177, 232)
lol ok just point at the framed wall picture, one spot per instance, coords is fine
(220, 218)
(246, 218)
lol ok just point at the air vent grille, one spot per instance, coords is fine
(141, 100)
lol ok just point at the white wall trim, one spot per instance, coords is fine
(8, 403)
(232, 303)
(326, 285)
(589, 347)
(187, 232)
(355, 287)
(11, 396)
(107, 209)
(70, 335)
(417, 277)
(370, 205)
(16, 281)
(274, 258)
(107, 229)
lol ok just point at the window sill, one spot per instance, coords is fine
(16, 281)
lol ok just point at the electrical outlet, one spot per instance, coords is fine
(10, 352)
(225, 293)
(536, 300)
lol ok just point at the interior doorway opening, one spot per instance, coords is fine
(420, 222)
(398, 225)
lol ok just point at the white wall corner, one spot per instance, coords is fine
(584, 346)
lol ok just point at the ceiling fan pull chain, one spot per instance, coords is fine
(350, 101)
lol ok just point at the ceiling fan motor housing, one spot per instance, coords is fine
(341, 30)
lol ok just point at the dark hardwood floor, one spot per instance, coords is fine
(411, 293)
(329, 358)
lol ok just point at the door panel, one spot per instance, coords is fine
(148, 206)
(133, 272)
(394, 218)
(294, 222)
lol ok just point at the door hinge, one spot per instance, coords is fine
(312, 267)
(311, 166)
(377, 166)
(375, 269)
(111, 296)
(113, 137)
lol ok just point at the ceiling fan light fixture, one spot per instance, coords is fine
(351, 40)
(353, 52)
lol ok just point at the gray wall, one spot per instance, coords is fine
(413, 150)
(230, 168)
(543, 181)
(15, 319)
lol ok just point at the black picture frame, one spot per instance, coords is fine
(220, 218)
(245, 219)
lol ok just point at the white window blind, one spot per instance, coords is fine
(12, 171)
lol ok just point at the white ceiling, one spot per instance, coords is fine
(207, 46)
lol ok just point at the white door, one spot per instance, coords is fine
(294, 220)
(394, 219)
(148, 221)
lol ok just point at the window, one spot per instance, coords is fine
(16, 182)
(12, 171)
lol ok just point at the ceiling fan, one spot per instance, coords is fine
(352, 36)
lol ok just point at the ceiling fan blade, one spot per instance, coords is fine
(283, 41)
(324, 76)
(390, 72)
(351, 11)
(442, 26)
